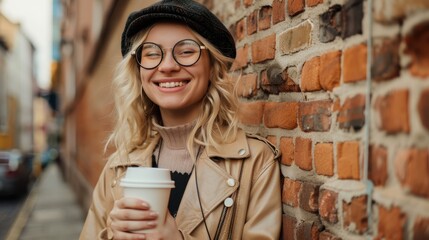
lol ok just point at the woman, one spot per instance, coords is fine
(176, 110)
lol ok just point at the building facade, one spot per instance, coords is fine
(341, 87)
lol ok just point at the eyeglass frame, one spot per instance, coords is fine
(134, 53)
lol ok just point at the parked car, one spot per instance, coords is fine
(15, 172)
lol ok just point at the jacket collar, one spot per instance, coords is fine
(237, 149)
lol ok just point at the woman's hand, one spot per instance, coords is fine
(129, 215)
(168, 231)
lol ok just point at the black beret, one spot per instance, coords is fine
(189, 12)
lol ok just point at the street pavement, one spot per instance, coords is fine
(50, 211)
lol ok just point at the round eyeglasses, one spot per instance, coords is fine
(185, 52)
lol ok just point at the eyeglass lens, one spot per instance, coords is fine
(185, 53)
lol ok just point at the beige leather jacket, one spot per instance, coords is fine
(256, 210)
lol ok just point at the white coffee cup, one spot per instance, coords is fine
(153, 185)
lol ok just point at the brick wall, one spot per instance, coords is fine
(304, 67)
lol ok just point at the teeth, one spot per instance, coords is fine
(171, 84)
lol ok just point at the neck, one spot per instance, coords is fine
(176, 117)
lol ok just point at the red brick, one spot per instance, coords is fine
(278, 81)
(309, 197)
(328, 206)
(310, 75)
(242, 58)
(354, 63)
(348, 160)
(421, 229)
(291, 189)
(252, 22)
(325, 235)
(264, 49)
(307, 230)
(288, 227)
(355, 214)
(264, 21)
(296, 38)
(303, 153)
(351, 114)
(279, 11)
(312, 3)
(272, 139)
(385, 59)
(240, 29)
(315, 116)
(251, 113)
(377, 167)
(396, 10)
(423, 108)
(330, 70)
(412, 169)
(324, 159)
(237, 4)
(394, 119)
(287, 148)
(295, 7)
(247, 3)
(418, 49)
(247, 86)
(281, 115)
(391, 223)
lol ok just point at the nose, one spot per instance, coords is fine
(168, 63)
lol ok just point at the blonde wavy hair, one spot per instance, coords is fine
(217, 124)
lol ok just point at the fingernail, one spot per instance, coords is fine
(145, 205)
(153, 214)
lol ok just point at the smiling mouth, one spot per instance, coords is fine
(172, 84)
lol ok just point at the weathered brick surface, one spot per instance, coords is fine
(325, 235)
(279, 11)
(242, 58)
(355, 214)
(291, 189)
(274, 81)
(354, 63)
(310, 78)
(264, 49)
(394, 119)
(324, 159)
(287, 148)
(328, 208)
(330, 24)
(281, 115)
(315, 116)
(352, 16)
(385, 59)
(330, 70)
(351, 113)
(423, 108)
(377, 166)
(348, 160)
(247, 3)
(421, 228)
(307, 230)
(240, 29)
(412, 169)
(247, 85)
(264, 21)
(252, 23)
(309, 197)
(312, 3)
(391, 223)
(303, 157)
(296, 38)
(396, 10)
(418, 49)
(289, 226)
(295, 7)
(251, 113)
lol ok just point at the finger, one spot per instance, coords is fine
(134, 203)
(132, 226)
(126, 236)
(133, 214)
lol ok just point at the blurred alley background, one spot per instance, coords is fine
(341, 87)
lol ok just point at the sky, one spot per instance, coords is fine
(35, 17)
